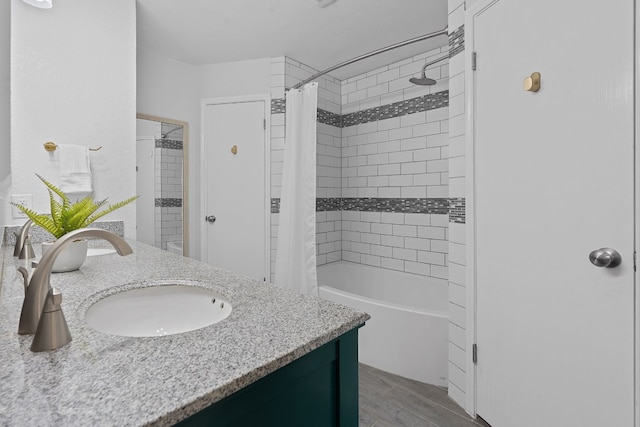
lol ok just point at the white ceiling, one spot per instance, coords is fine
(213, 31)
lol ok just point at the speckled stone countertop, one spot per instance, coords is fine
(101, 379)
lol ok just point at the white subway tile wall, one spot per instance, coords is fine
(457, 229)
(379, 137)
(277, 132)
(171, 166)
(411, 242)
(168, 159)
(287, 72)
(397, 157)
(171, 225)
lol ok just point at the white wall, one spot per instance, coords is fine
(73, 82)
(166, 87)
(235, 78)
(5, 133)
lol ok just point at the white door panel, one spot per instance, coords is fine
(145, 188)
(235, 187)
(553, 182)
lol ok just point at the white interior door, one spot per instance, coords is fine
(145, 188)
(234, 187)
(553, 181)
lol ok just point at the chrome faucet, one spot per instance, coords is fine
(23, 248)
(41, 313)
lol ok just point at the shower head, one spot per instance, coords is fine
(422, 80)
(164, 135)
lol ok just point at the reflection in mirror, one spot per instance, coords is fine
(5, 107)
(161, 156)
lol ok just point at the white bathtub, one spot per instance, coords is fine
(175, 247)
(407, 332)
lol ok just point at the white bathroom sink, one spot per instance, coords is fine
(158, 310)
(100, 251)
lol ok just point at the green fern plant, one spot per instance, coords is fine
(66, 216)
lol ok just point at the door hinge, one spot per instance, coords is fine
(635, 261)
(264, 124)
(474, 356)
(474, 63)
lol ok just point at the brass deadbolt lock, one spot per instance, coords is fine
(532, 83)
(234, 149)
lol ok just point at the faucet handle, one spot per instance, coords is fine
(52, 332)
(18, 247)
(25, 278)
(54, 300)
(27, 250)
(20, 238)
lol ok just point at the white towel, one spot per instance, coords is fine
(75, 170)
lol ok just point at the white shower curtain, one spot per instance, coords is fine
(296, 251)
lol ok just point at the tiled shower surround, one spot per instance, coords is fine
(382, 164)
(168, 187)
(286, 72)
(458, 355)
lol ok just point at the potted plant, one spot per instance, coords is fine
(65, 217)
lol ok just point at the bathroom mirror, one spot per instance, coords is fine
(162, 183)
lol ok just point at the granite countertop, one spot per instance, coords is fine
(101, 379)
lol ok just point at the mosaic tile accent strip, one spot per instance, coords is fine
(457, 210)
(275, 205)
(278, 106)
(328, 204)
(428, 206)
(168, 203)
(329, 118)
(322, 204)
(454, 207)
(39, 235)
(456, 42)
(169, 143)
(397, 109)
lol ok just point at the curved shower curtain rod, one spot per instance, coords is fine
(375, 52)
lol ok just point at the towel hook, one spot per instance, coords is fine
(51, 146)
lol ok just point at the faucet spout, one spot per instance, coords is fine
(21, 238)
(39, 286)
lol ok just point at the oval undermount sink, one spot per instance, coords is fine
(100, 251)
(157, 311)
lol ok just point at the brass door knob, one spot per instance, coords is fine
(532, 83)
(234, 149)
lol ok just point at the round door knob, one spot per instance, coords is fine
(605, 257)
(210, 218)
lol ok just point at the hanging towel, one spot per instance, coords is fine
(75, 170)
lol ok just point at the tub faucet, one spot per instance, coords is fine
(41, 313)
(23, 248)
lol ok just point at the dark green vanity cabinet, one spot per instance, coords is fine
(318, 389)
